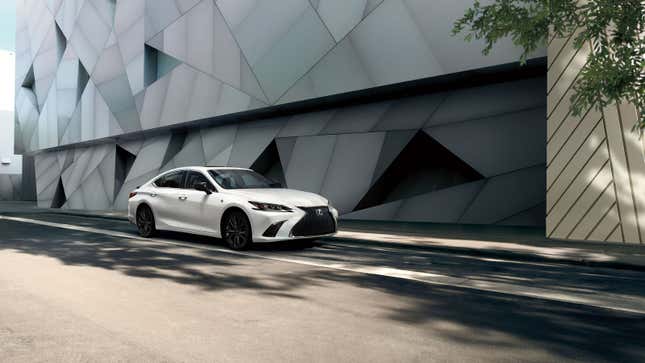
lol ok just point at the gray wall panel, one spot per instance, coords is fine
(350, 171)
(489, 101)
(10, 187)
(252, 139)
(383, 212)
(443, 206)
(506, 195)
(497, 144)
(308, 162)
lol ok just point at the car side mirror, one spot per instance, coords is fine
(275, 184)
(203, 187)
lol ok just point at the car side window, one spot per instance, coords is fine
(193, 178)
(171, 180)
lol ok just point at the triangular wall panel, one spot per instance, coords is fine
(123, 163)
(269, 165)
(59, 196)
(421, 167)
(202, 39)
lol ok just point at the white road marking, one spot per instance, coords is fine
(422, 277)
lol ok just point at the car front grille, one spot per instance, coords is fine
(317, 221)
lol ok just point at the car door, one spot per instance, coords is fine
(201, 209)
(167, 203)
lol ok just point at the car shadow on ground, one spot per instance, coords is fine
(294, 245)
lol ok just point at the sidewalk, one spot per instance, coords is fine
(511, 243)
(514, 243)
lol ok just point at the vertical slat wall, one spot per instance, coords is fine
(595, 161)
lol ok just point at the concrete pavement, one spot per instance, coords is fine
(69, 294)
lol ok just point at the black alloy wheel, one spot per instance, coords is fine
(146, 221)
(237, 230)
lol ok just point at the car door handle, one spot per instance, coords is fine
(183, 197)
(153, 194)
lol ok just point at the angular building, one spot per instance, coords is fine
(371, 103)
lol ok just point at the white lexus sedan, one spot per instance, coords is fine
(235, 204)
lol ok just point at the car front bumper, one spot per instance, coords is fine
(302, 223)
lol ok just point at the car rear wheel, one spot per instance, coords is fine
(146, 222)
(236, 230)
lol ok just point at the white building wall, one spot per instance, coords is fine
(7, 66)
(10, 164)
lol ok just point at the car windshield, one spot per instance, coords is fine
(240, 179)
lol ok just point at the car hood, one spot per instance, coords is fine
(289, 197)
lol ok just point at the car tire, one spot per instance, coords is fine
(146, 222)
(236, 230)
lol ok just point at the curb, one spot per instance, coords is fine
(509, 255)
(97, 216)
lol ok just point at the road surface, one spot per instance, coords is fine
(77, 289)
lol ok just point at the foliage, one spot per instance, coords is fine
(615, 29)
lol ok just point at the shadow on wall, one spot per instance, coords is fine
(10, 187)
(467, 317)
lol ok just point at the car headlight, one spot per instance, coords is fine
(270, 207)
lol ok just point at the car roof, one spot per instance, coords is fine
(203, 169)
(206, 168)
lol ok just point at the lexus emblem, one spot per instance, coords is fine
(319, 212)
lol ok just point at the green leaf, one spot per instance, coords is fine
(614, 72)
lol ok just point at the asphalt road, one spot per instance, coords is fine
(82, 289)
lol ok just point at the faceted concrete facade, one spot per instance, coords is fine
(422, 158)
(596, 162)
(102, 82)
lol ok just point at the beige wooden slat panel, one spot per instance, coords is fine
(567, 78)
(554, 120)
(636, 162)
(643, 143)
(595, 214)
(585, 178)
(572, 131)
(616, 236)
(581, 159)
(551, 38)
(620, 169)
(554, 49)
(584, 203)
(558, 62)
(606, 226)
(576, 151)
(561, 135)
(562, 111)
